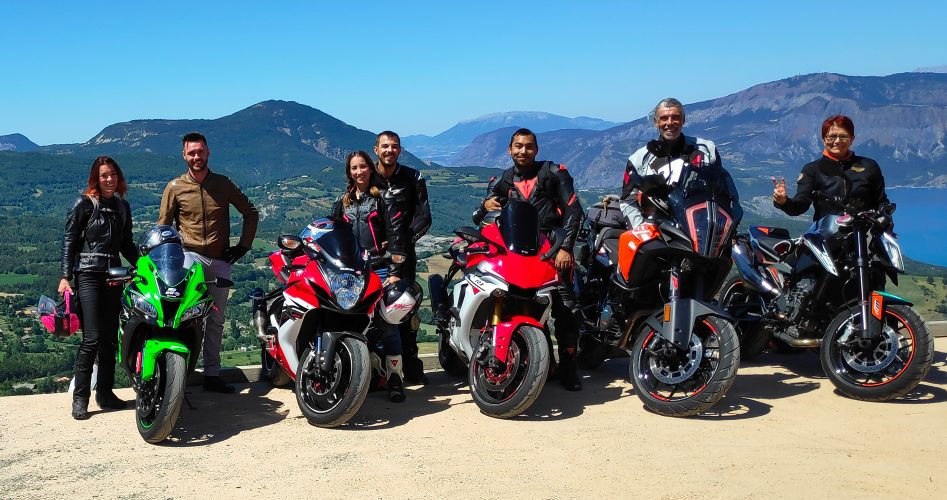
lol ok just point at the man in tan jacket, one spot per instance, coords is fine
(198, 204)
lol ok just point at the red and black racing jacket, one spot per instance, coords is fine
(548, 187)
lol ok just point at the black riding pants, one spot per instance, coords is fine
(100, 305)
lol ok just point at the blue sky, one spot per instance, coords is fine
(68, 70)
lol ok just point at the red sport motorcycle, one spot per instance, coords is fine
(314, 327)
(492, 325)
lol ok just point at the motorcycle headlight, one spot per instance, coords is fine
(347, 288)
(193, 312)
(893, 249)
(142, 304)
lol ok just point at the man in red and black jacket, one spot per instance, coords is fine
(404, 193)
(548, 187)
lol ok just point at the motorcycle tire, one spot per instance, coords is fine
(510, 393)
(591, 352)
(701, 385)
(158, 402)
(753, 337)
(331, 399)
(271, 371)
(878, 372)
(448, 359)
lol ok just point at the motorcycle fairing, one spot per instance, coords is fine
(503, 334)
(630, 242)
(682, 318)
(708, 226)
(153, 349)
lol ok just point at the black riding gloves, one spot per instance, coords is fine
(233, 254)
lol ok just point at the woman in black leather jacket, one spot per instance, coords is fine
(362, 207)
(98, 229)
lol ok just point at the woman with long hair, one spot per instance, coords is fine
(98, 229)
(362, 207)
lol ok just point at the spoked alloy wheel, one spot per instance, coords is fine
(508, 391)
(678, 383)
(882, 368)
(753, 337)
(158, 402)
(330, 399)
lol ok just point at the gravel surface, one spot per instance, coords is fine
(781, 432)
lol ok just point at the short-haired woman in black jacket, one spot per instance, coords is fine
(98, 229)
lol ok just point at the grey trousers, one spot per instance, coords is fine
(214, 325)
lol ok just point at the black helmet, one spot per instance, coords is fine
(156, 236)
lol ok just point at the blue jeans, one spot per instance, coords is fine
(383, 335)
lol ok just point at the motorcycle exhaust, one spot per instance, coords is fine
(794, 342)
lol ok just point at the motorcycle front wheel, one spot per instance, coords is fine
(158, 402)
(507, 391)
(736, 298)
(330, 399)
(677, 383)
(882, 368)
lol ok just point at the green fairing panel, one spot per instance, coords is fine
(153, 349)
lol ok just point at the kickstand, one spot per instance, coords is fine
(188, 401)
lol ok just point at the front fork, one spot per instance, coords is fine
(871, 304)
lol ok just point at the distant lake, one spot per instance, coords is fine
(921, 223)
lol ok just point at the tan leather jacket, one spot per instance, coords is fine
(201, 212)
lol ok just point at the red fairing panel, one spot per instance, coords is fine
(518, 270)
(503, 333)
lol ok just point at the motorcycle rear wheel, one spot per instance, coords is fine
(271, 371)
(331, 399)
(158, 402)
(507, 394)
(714, 340)
(753, 337)
(883, 370)
(591, 352)
(448, 359)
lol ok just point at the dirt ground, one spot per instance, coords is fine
(782, 431)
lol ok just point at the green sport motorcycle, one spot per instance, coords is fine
(164, 306)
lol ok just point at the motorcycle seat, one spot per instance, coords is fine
(606, 235)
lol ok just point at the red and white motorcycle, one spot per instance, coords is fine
(314, 327)
(492, 325)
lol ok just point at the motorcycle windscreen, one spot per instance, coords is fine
(169, 263)
(519, 227)
(708, 225)
(340, 247)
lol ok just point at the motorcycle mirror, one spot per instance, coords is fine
(289, 242)
(222, 282)
(120, 272)
(558, 237)
(468, 234)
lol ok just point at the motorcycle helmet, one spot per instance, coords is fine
(399, 302)
(58, 319)
(157, 236)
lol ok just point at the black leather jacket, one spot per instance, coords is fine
(95, 245)
(405, 196)
(856, 180)
(553, 194)
(369, 219)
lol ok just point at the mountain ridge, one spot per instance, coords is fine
(772, 129)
